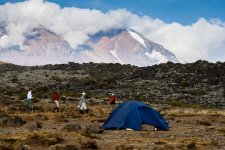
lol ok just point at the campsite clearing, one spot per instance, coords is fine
(42, 129)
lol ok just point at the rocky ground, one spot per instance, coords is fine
(69, 130)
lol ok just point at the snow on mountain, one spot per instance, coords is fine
(124, 46)
(116, 57)
(137, 37)
(156, 56)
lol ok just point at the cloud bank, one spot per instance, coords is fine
(204, 39)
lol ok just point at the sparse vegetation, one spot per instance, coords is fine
(179, 103)
(192, 146)
(189, 96)
(89, 145)
(45, 138)
(204, 122)
(222, 130)
(71, 127)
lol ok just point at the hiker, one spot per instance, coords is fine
(112, 101)
(56, 99)
(30, 100)
(82, 104)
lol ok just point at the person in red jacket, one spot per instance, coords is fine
(112, 101)
(56, 98)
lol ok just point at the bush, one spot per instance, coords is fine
(44, 138)
(56, 78)
(72, 127)
(13, 121)
(107, 84)
(22, 94)
(9, 92)
(175, 102)
(178, 103)
(192, 146)
(197, 92)
(204, 122)
(41, 92)
(63, 147)
(222, 130)
(184, 83)
(89, 145)
(124, 147)
(71, 94)
(14, 79)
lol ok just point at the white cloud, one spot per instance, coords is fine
(204, 39)
(201, 40)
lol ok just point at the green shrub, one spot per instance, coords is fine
(197, 92)
(107, 84)
(41, 92)
(179, 103)
(184, 83)
(14, 79)
(71, 94)
(9, 92)
(56, 78)
(22, 94)
(175, 102)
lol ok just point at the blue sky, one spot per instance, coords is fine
(182, 11)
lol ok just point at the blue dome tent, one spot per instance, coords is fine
(132, 114)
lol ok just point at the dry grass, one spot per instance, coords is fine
(124, 147)
(64, 147)
(189, 128)
(191, 112)
(192, 146)
(204, 122)
(90, 144)
(222, 130)
(44, 138)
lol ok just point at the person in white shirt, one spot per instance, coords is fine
(82, 104)
(30, 100)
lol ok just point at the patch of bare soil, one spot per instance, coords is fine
(44, 129)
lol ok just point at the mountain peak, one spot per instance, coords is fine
(125, 46)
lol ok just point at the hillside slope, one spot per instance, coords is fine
(198, 83)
